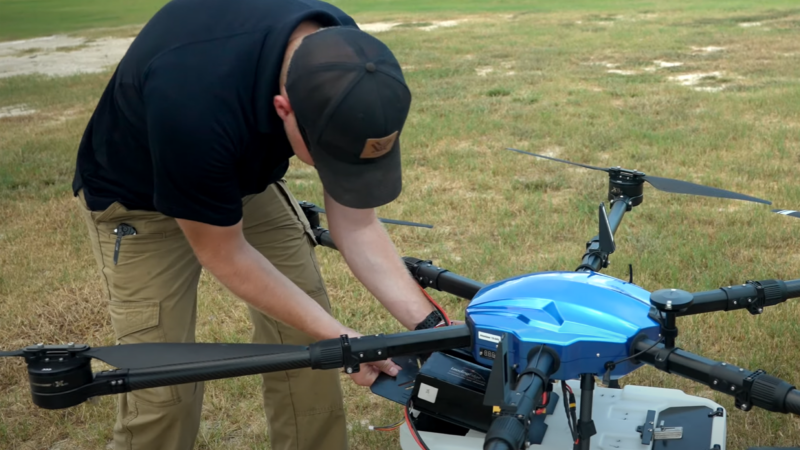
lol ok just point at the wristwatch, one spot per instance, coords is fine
(434, 319)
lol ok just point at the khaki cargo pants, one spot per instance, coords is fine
(152, 297)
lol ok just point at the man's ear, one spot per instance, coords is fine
(282, 106)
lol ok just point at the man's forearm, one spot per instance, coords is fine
(251, 277)
(372, 257)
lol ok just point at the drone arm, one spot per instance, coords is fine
(618, 209)
(61, 377)
(509, 428)
(424, 272)
(793, 401)
(215, 370)
(428, 275)
(344, 353)
(324, 238)
(749, 388)
(70, 382)
(753, 295)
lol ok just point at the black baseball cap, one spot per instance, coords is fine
(351, 101)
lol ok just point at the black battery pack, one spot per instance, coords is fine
(452, 389)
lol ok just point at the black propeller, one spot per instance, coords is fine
(145, 356)
(787, 212)
(316, 208)
(663, 184)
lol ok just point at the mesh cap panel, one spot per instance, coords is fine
(350, 98)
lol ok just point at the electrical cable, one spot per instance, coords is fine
(569, 408)
(409, 423)
(412, 428)
(407, 416)
(543, 409)
(441, 310)
(391, 427)
(611, 365)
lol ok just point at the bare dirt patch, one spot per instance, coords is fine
(657, 64)
(442, 24)
(15, 111)
(378, 27)
(381, 27)
(47, 56)
(47, 43)
(61, 55)
(700, 81)
(708, 49)
(665, 64)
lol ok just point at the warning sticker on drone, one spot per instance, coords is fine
(488, 337)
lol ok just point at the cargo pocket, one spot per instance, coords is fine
(135, 322)
(138, 323)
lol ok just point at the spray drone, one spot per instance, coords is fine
(492, 383)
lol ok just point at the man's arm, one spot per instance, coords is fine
(195, 156)
(373, 258)
(236, 264)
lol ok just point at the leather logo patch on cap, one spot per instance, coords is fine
(378, 147)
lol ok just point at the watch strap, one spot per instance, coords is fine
(433, 320)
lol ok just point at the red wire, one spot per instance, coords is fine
(408, 424)
(447, 321)
(436, 305)
(543, 409)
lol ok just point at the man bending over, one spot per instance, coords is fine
(181, 168)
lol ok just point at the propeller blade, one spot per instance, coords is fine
(143, 356)
(787, 212)
(403, 222)
(14, 353)
(666, 184)
(393, 221)
(684, 187)
(559, 160)
(607, 244)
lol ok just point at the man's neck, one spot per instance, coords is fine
(302, 30)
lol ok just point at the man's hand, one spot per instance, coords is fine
(371, 255)
(370, 371)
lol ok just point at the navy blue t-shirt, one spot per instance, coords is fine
(186, 126)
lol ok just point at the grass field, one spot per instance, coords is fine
(706, 92)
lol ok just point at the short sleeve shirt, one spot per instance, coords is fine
(186, 126)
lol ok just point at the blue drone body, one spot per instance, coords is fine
(588, 318)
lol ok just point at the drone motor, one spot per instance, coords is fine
(56, 374)
(628, 184)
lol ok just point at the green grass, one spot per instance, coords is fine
(496, 213)
(29, 18)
